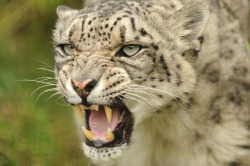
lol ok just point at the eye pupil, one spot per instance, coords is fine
(130, 47)
(71, 46)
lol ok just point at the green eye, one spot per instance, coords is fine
(68, 49)
(131, 50)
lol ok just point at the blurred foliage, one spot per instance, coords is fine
(41, 132)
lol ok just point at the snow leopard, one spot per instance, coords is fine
(157, 82)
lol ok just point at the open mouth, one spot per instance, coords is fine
(106, 126)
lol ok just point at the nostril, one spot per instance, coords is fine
(90, 85)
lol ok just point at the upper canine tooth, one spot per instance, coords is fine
(79, 111)
(109, 136)
(89, 134)
(108, 112)
(94, 107)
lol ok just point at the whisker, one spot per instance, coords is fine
(144, 87)
(64, 104)
(43, 63)
(48, 90)
(131, 94)
(137, 91)
(57, 93)
(39, 79)
(171, 94)
(180, 104)
(45, 69)
(40, 88)
(48, 83)
(129, 97)
(45, 78)
(141, 91)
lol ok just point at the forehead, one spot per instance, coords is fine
(109, 8)
(105, 25)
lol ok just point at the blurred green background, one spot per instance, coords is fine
(33, 132)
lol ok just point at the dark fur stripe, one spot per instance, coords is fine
(132, 20)
(83, 23)
(165, 67)
(122, 33)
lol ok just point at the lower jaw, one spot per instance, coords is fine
(105, 154)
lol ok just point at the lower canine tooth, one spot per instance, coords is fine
(121, 117)
(109, 135)
(79, 111)
(108, 112)
(89, 134)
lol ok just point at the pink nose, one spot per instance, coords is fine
(82, 85)
(82, 88)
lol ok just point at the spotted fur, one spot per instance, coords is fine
(187, 88)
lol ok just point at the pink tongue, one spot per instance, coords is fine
(99, 124)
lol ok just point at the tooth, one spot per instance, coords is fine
(89, 134)
(79, 111)
(94, 107)
(83, 107)
(121, 117)
(108, 112)
(109, 135)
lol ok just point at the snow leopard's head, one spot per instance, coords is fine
(120, 62)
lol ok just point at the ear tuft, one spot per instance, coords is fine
(65, 11)
(189, 22)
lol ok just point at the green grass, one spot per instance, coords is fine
(32, 133)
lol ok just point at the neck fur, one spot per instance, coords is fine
(160, 137)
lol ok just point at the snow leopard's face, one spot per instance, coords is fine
(121, 62)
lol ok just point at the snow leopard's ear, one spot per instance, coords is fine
(64, 11)
(189, 23)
